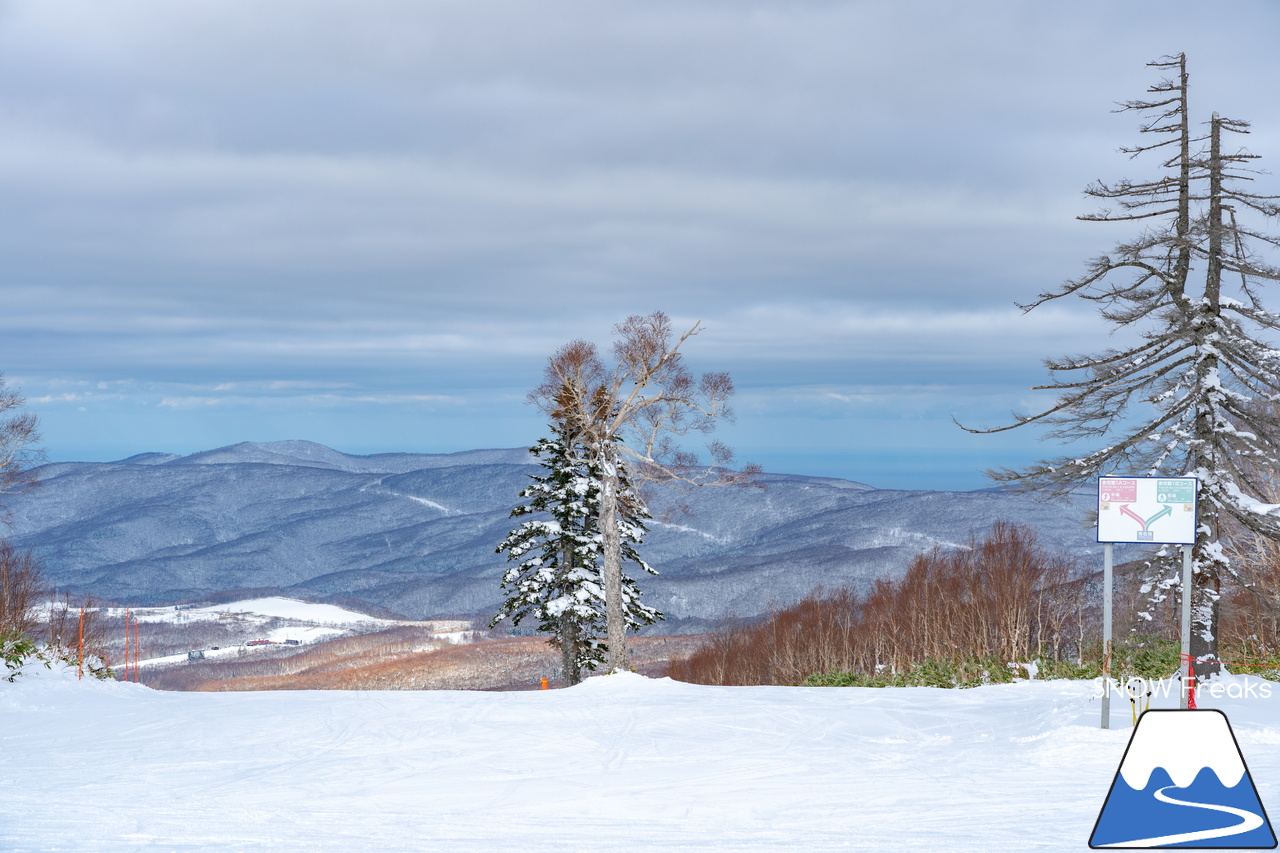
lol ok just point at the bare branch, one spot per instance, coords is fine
(19, 446)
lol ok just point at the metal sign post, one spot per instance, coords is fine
(1108, 573)
(1185, 692)
(1147, 511)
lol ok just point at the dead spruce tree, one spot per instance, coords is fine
(1187, 398)
(632, 417)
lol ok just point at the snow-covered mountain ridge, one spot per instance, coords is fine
(416, 532)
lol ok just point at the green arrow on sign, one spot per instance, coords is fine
(1168, 510)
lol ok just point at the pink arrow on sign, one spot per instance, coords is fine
(1124, 510)
(1167, 510)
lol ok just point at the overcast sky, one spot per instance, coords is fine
(368, 224)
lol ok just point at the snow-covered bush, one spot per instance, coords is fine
(28, 640)
(20, 653)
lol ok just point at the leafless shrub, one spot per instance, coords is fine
(22, 586)
(56, 622)
(1003, 596)
(286, 662)
(402, 658)
(76, 628)
(820, 633)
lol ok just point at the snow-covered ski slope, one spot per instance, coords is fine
(619, 763)
(273, 607)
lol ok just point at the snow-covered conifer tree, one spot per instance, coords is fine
(1194, 395)
(633, 418)
(557, 581)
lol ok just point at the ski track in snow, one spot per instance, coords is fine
(684, 528)
(426, 502)
(377, 484)
(619, 763)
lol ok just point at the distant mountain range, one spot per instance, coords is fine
(415, 533)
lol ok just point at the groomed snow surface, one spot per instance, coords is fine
(619, 763)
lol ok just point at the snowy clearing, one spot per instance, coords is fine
(261, 625)
(258, 608)
(619, 763)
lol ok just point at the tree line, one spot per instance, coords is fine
(999, 599)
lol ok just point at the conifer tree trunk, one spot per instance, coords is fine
(1182, 224)
(1207, 577)
(569, 638)
(615, 620)
(569, 651)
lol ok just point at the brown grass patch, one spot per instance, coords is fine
(397, 660)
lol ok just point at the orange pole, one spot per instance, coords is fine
(126, 644)
(544, 682)
(80, 656)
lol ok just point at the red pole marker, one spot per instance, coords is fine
(544, 683)
(126, 644)
(80, 655)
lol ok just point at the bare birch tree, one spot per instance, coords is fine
(21, 576)
(22, 585)
(633, 417)
(19, 446)
(1184, 399)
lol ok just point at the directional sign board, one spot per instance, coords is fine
(1148, 510)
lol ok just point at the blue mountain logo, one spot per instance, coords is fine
(1183, 783)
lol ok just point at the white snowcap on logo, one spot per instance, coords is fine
(1183, 743)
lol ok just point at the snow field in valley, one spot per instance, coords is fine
(619, 763)
(304, 623)
(266, 608)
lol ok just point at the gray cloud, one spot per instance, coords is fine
(225, 205)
